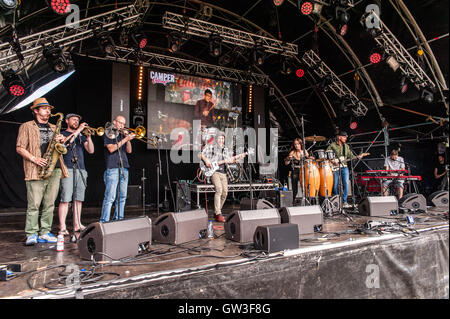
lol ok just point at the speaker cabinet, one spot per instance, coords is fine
(114, 240)
(273, 238)
(284, 198)
(257, 204)
(178, 228)
(134, 195)
(378, 206)
(240, 225)
(413, 201)
(439, 199)
(307, 218)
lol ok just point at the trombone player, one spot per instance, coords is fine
(117, 146)
(74, 160)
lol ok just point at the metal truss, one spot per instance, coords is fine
(204, 29)
(312, 60)
(64, 36)
(175, 64)
(407, 64)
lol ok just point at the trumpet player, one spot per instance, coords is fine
(33, 140)
(117, 146)
(74, 188)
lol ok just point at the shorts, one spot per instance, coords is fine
(67, 186)
(397, 183)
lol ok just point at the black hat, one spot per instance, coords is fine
(68, 116)
(342, 133)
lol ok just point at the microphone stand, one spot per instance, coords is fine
(302, 168)
(341, 209)
(143, 178)
(158, 173)
(121, 172)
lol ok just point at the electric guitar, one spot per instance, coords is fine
(209, 171)
(343, 162)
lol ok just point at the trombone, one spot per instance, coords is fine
(140, 131)
(100, 131)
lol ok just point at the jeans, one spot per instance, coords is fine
(111, 178)
(41, 192)
(345, 182)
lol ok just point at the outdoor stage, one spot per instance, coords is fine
(405, 262)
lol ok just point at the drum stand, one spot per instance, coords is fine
(341, 210)
(326, 206)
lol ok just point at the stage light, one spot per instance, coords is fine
(375, 56)
(60, 6)
(403, 85)
(306, 7)
(286, 67)
(139, 39)
(107, 44)
(300, 73)
(278, 3)
(174, 41)
(13, 83)
(420, 52)
(342, 19)
(7, 5)
(427, 95)
(56, 59)
(353, 125)
(393, 63)
(258, 55)
(215, 45)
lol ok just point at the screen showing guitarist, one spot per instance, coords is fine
(215, 157)
(204, 110)
(343, 154)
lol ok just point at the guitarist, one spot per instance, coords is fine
(342, 153)
(217, 152)
(204, 110)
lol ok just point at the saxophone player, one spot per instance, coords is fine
(33, 141)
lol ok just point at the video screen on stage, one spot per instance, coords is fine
(171, 104)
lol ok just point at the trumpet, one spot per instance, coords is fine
(100, 131)
(140, 131)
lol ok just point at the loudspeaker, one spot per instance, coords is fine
(241, 225)
(134, 195)
(114, 240)
(273, 238)
(284, 198)
(439, 198)
(178, 228)
(307, 218)
(413, 201)
(257, 204)
(378, 206)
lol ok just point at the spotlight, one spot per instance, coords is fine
(342, 19)
(353, 125)
(215, 45)
(7, 5)
(258, 54)
(278, 3)
(13, 83)
(306, 7)
(107, 44)
(393, 63)
(60, 6)
(56, 59)
(286, 67)
(375, 56)
(174, 41)
(300, 73)
(427, 95)
(403, 85)
(139, 39)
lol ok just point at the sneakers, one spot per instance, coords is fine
(32, 240)
(219, 218)
(47, 238)
(346, 205)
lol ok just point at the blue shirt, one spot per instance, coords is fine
(112, 159)
(77, 146)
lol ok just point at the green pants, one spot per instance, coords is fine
(41, 192)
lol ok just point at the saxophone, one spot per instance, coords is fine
(54, 151)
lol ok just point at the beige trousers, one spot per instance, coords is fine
(220, 183)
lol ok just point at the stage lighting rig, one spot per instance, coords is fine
(342, 17)
(427, 95)
(175, 41)
(258, 54)
(59, 6)
(215, 45)
(55, 58)
(278, 3)
(139, 39)
(376, 55)
(13, 83)
(6, 6)
(106, 43)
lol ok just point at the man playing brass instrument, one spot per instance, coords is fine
(33, 139)
(74, 160)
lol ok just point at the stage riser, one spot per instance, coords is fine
(408, 268)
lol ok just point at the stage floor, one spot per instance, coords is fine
(49, 274)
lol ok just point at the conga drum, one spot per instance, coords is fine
(312, 178)
(320, 155)
(326, 178)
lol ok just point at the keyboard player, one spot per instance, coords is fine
(394, 162)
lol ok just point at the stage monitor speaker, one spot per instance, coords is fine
(284, 198)
(134, 195)
(273, 238)
(307, 218)
(378, 206)
(114, 240)
(181, 227)
(241, 225)
(413, 201)
(439, 199)
(257, 204)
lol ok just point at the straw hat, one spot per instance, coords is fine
(40, 102)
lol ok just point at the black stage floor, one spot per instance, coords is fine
(408, 261)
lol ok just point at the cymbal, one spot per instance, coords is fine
(315, 138)
(230, 110)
